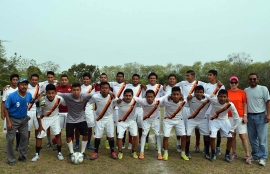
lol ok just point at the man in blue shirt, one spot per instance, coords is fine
(16, 115)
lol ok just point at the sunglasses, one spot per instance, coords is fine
(233, 82)
(250, 79)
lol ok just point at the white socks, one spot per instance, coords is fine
(143, 139)
(84, 143)
(158, 143)
(70, 147)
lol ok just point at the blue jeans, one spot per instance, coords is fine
(258, 135)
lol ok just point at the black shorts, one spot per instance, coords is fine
(81, 126)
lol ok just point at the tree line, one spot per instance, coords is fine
(238, 64)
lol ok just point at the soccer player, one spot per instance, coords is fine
(15, 111)
(198, 106)
(49, 118)
(89, 113)
(104, 118)
(12, 88)
(174, 118)
(167, 89)
(219, 121)
(127, 121)
(76, 102)
(151, 106)
(212, 88)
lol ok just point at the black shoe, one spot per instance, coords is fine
(69, 156)
(84, 156)
(213, 157)
(22, 158)
(11, 163)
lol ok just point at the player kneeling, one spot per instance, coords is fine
(126, 121)
(174, 118)
(49, 118)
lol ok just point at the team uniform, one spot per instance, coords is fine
(32, 111)
(89, 110)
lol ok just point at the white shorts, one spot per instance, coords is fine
(241, 128)
(139, 116)
(223, 125)
(90, 117)
(178, 125)
(115, 117)
(155, 124)
(53, 122)
(63, 119)
(201, 124)
(130, 125)
(106, 124)
(186, 114)
(33, 120)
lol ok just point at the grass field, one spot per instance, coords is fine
(48, 163)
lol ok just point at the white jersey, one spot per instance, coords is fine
(47, 111)
(7, 92)
(126, 111)
(137, 91)
(171, 109)
(188, 88)
(101, 102)
(34, 90)
(157, 88)
(198, 107)
(168, 90)
(87, 90)
(118, 89)
(42, 86)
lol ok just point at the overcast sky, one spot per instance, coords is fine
(115, 32)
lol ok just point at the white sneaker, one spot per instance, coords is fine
(129, 146)
(35, 158)
(262, 162)
(60, 156)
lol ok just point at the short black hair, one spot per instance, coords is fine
(152, 74)
(135, 75)
(104, 83)
(34, 75)
(150, 91)
(50, 72)
(86, 75)
(120, 73)
(214, 72)
(223, 91)
(103, 74)
(176, 88)
(76, 84)
(12, 76)
(128, 90)
(199, 87)
(64, 75)
(172, 75)
(191, 72)
(50, 87)
(253, 74)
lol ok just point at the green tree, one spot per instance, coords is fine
(78, 70)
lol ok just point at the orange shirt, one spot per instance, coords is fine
(237, 98)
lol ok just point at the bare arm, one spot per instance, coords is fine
(245, 113)
(2, 110)
(267, 119)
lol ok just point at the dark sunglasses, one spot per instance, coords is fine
(233, 82)
(250, 79)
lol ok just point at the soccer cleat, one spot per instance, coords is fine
(213, 157)
(107, 146)
(188, 155)
(159, 156)
(178, 148)
(120, 155)
(248, 160)
(129, 146)
(49, 144)
(60, 156)
(185, 157)
(90, 147)
(22, 158)
(123, 146)
(113, 155)
(69, 156)
(197, 149)
(134, 155)
(76, 147)
(35, 158)
(146, 146)
(218, 151)
(165, 157)
(141, 155)
(94, 156)
(11, 163)
(262, 162)
(207, 156)
(228, 158)
(84, 156)
(234, 155)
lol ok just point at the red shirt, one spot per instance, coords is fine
(63, 89)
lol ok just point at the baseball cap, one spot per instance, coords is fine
(234, 78)
(21, 80)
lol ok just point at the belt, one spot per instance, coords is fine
(256, 113)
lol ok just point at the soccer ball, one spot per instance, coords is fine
(77, 158)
